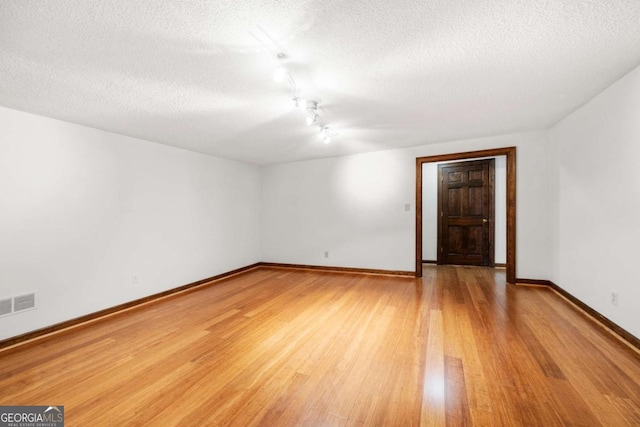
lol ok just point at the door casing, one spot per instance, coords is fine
(510, 153)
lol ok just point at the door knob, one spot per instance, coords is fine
(485, 220)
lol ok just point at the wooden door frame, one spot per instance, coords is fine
(491, 214)
(510, 153)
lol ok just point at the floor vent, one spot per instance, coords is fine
(24, 302)
(5, 306)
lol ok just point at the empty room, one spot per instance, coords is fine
(297, 213)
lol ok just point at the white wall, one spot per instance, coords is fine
(353, 207)
(82, 211)
(430, 210)
(596, 202)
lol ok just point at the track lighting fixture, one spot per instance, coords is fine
(309, 106)
(298, 102)
(312, 112)
(325, 134)
(311, 120)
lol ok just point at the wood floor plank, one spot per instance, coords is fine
(433, 384)
(293, 347)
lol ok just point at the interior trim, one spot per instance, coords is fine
(532, 282)
(338, 269)
(510, 153)
(81, 321)
(583, 308)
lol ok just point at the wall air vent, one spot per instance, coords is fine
(5, 306)
(24, 302)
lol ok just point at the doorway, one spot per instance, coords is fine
(510, 153)
(466, 213)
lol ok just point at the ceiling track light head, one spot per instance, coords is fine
(326, 134)
(312, 105)
(326, 137)
(312, 114)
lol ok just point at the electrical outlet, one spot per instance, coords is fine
(614, 297)
(407, 207)
(134, 279)
(326, 254)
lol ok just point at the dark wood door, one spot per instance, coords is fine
(466, 205)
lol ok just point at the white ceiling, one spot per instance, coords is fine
(199, 74)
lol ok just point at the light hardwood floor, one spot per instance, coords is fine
(280, 347)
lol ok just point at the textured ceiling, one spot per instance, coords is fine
(199, 74)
